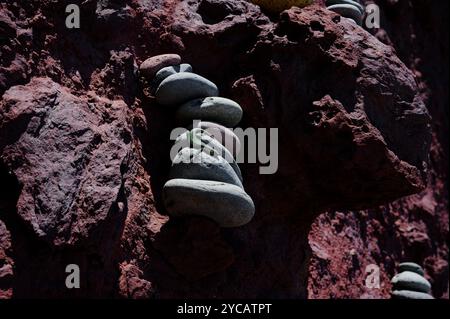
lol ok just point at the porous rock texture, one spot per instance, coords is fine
(83, 150)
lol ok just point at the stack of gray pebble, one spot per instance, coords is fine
(204, 178)
(351, 9)
(410, 283)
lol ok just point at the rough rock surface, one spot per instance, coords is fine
(83, 150)
(415, 228)
(69, 157)
(6, 263)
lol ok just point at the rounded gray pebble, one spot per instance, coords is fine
(348, 11)
(152, 65)
(213, 109)
(194, 164)
(182, 87)
(164, 73)
(407, 294)
(200, 139)
(224, 135)
(408, 280)
(350, 2)
(413, 267)
(226, 204)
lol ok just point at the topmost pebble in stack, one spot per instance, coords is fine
(351, 9)
(205, 179)
(410, 283)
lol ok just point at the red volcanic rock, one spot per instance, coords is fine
(6, 263)
(68, 156)
(130, 284)
(414, 228)
(13, 65)
(84, 152)
(7, 26)
(331, 109)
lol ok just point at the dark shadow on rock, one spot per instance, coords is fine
(156, 145)
(190, 259)
(194, 247)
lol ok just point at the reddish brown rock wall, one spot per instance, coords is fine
(83, 150)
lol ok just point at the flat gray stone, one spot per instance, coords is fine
(226, 204)
(408, 280)
(212, 109)
(407, 294)
(194, 164)
(152, 65)
(348, 11)
(413, 267)
(182, 87)
(164, 73)
(350, 2)
(224, 135)
(200, 139)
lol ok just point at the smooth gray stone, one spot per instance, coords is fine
(200, 139)
(226, 204)
(212, 109)
(351, 2)
(182, 87)
(413, 267)
(407, 294)
(408, 280)
(348, 11)
(164, 73)
(224, 135)
(194, 164)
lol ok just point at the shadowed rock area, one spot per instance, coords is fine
(84, 152)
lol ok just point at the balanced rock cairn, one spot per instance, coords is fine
(204, 178)
(410, 283)
(351, 9)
